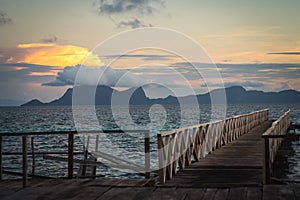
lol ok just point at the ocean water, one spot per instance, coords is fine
(129, 146)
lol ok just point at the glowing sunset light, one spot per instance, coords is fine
(34, 45)
(51, 73)
(58, 55)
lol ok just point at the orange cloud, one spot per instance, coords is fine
(34, 45)
(57, 55)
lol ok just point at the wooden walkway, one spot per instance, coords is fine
(238, 163)
(136, 189)
(231, 171)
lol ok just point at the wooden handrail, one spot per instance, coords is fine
(273, 138)
(68, 132)
(70, 152)
(177, 148)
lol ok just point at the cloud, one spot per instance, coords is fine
(143, 7)
(50, 39)
(286, 53)
(129, 10)
(91, 75)
(4, 18)
(134, 23)
(49, 54)
(142, 56)
(247, 84)
(28, 66)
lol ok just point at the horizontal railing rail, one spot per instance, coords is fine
(70, 159)
(273, 138)
(177, 148)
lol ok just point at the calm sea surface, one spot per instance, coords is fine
(127, 146)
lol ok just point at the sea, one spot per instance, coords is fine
(126, 146)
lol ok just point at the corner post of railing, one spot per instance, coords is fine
(266, 164)
(70, 154)
(25, 164)
(1, 165)
(147, 154)
(161, 171)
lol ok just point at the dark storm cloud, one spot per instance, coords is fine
(4, 18)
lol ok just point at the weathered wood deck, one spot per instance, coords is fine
(238, 163)
(136, 189)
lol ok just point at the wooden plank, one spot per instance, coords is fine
(89, 193)
(209, 194)
(254, 193)
(221, 194)
(126, 193)
(167, 193)
(286, 192)
(296, 189)
(71, 192)
(270, 192)
(195, 194)
(237, 193)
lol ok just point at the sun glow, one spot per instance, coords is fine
(34, 45)
(58, 55)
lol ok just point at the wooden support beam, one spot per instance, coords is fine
(33, 156)
(1, 165)
(70, 154)
(147, 155)
(25, 164)
(266, 162)
(161, 170)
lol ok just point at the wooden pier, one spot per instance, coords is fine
(228, 159)
(238, 163)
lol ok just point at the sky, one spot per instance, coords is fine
(255, 44)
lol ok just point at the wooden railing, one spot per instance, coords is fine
(272, 140)
(177, 148)
(70, 152)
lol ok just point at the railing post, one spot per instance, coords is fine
(33, 156)
(25, 164)
(266, 164)
(147, 154)
(1, 165)
(161, 171)
(70, 154)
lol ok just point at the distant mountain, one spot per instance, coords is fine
(136, 96)
(103, 96)
(34, 102)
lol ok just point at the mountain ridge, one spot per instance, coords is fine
(137, 96)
